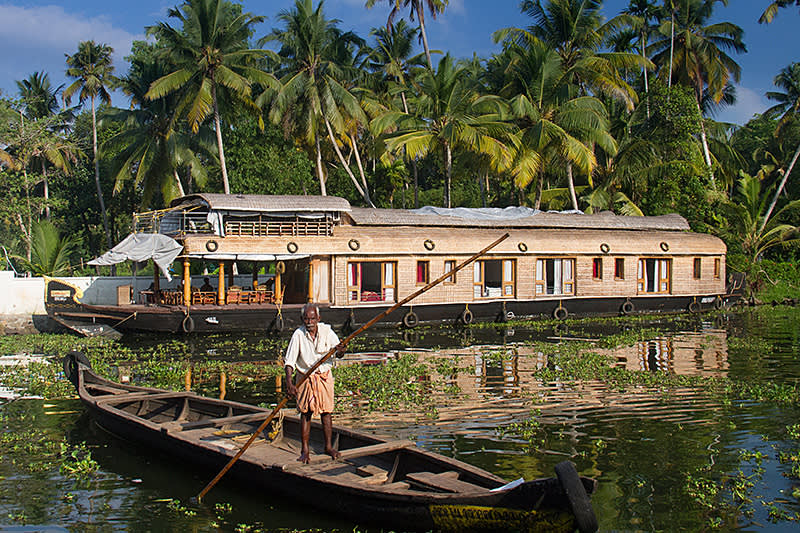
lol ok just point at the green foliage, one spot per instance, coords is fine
(51, 253)
(398, 382)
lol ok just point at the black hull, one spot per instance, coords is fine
(268, 318)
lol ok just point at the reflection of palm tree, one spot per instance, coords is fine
(700, 58)
(449, 114)
(153, 145)
(93, 72)
(210, 51)
(789, 106)
(417, 8)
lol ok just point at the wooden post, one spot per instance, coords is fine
(310, 297)
(278, 292)
(231, 278)
(221, 287)
(156, 283)
(187, 283)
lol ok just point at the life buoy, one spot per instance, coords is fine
(579, 501)
(605, 248)
(664, 246)
(429, 244)
(466, 317)
(188, 324)
(522, 247)
(410, 319)
(694, 307)
(560, 313)
(291, 247)
(719, 303)
(626, 308)
(354, 244)
(212, 245)
(280, 267)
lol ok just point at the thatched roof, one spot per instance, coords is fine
(605, 220)
(264, 203)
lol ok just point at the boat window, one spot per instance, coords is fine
(371, 281)
(654, 276)
(555, 276)
(717, 268)
(597, 268)
(449, 266)
(494, 278)
(423, 272)
(619, 268)
(697, 266)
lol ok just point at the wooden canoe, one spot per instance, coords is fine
(388, 483)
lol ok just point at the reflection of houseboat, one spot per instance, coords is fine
(356, 262)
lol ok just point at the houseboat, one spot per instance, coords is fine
(357, 262)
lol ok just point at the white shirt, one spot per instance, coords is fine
(303, 351)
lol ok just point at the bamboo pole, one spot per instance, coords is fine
(328, 355)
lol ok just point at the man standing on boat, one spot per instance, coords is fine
(309, 343)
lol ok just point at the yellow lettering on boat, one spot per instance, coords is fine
(474, 517)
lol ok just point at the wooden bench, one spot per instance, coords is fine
(444, 481)
(363, 451)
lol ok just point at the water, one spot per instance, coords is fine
(651, 447)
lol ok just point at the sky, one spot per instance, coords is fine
(36, 35)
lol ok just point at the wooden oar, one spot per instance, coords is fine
(328, 355)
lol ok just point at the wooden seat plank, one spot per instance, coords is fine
(445, 481)
(363, 451)
(134, 396)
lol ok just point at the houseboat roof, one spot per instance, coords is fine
(264, 203)
(460, 218)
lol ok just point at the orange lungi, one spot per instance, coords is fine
(315, 395)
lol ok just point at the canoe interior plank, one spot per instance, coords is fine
(363, 451)
(445, 481)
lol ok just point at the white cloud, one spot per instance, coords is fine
(38, 39)
(748, 103)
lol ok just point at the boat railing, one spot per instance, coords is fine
(172, 222)
(264, 228)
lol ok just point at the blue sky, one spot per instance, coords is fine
(36, 34)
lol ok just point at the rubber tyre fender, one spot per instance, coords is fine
(694, 307)
(627, 307)
(187, 325)
(70, 364)
(579, 501)
(466, 317)
(560, 313)
(410, 319)
(719, 303)
(278, 325)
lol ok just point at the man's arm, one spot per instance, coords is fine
(291, 390)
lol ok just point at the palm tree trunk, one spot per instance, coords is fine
(345, 165)
(780, 189)
(671, 43)
(646, 84)
(571, 185)
(218, 126)
(46, 191)
(318, 162)
(537, 202)
(448, 173)
(421, 18)
(361, 171)
(178, 182)
(416, 183)
(704, 140)
(97, 176)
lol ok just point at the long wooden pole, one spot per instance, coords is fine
(328, 355)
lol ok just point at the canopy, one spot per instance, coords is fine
(140, 247)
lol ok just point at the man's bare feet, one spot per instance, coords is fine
(333, 453)
(304, 458)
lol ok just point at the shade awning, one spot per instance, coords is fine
(140, 247)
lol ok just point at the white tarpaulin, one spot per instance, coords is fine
(140, 247)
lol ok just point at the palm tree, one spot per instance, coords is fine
(209, 51)
(449, 114)
(700, 58)
(555, 122)
(772, 10)
(642, 14)
(154, 145)
(51, 253)
(789, 106)
(417, 8)
(38, 95)
(94, 74)
(312, 100)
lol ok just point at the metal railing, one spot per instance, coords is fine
(177, 224)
